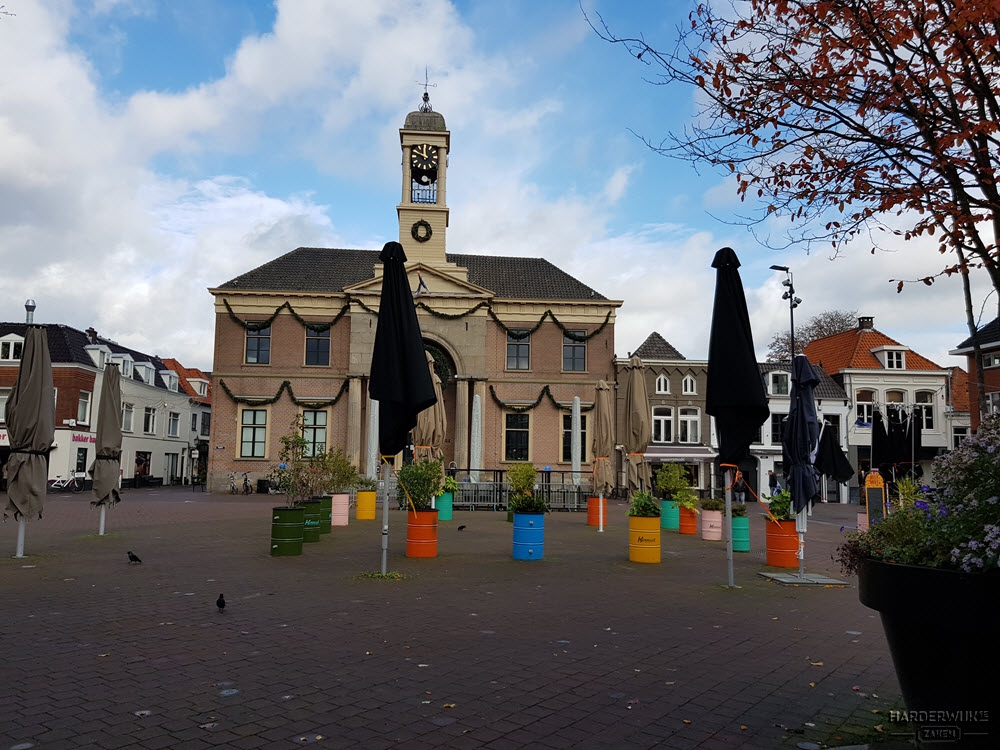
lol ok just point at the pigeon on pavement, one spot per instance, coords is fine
(133, 558)
(220, 603)
(462, 527)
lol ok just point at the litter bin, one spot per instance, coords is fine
(261, 486)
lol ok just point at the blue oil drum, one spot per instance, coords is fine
(529, 536)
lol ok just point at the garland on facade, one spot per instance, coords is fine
(516, 334)
(285, 386)
(257, 325)
(519, 334)
(545, 392)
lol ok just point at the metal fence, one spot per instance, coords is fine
(493, 495)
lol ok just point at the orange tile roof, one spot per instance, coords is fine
(183, 373)
(959, 389)
(851, 351)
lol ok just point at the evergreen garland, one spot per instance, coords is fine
(545, 392)
(516, 334)
(285, 386)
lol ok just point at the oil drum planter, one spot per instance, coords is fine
(741, 528)
(672, 482)
(687, 511)
(644, 529)
(528, 511)
(711, 519)
(286, 530)
(782, 541)
(446, 500)
(313, 516)
(420, 481)
(595, 507)
(941, 626)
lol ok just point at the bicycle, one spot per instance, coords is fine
(72, 484)
(233, 489)
(247, 489)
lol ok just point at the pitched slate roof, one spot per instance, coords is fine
(318, 269)
(827, 387)
(988, 335)
(67, 345)
(656, 347)
(850, 350)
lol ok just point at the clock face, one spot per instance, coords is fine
(424, 157)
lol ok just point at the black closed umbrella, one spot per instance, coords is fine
(735, 394)
(830, 459)
(107, 463)
(799, 443)
(399, 378)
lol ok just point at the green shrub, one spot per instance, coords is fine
(644, 505)
(423, 481)
(781, 506)
(522, 498)
(671, 479)
(713, 503)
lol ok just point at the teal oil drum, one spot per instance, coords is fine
(670, 516)
(741, 534)
(529, 536)
(286, 530)
(326, 512)
(444, 503)
(314, 514)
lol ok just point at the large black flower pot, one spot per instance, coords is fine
(943, 629)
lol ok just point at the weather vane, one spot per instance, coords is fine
(426, 106)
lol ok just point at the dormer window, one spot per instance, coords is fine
(100, 353)
(779, 383)
(894, 361)
(145, 372)
(11, 347)
(124, 362)
(200, 386)
(891, 357)
(170, 379)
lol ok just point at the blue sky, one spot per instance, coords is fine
(153, 150)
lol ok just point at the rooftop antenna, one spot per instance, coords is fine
(426, 105)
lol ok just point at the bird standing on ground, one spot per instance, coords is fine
(220, 603)
(462, 527)
(133, 558)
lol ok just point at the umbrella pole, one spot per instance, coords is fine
(600, 512)
(385, 515)
(800, 527)
(104, 510)
(729, 528)
(21, 524)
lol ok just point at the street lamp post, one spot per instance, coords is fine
(793, 302)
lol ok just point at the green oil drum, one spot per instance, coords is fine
(670, 516)
(444, 503)
(286, 530)
(326, 513)
(741, 534)
(313, 519)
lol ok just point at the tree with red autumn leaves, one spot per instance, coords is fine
(849, 118)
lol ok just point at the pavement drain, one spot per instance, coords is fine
(305, 739)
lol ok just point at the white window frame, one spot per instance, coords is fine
(689, 386)
(663, 424)
(863, 409)
(173, 424)
(313, 428)
(991, 360)
(149, 420)
(925, 408)
(128, 410)
(8, 345)
(993, 403)
(662, 384)
(83, 405)
(777, 377)
(254, 426)
(895, 360)
(958, 434)
(4, 395)
(689, 425)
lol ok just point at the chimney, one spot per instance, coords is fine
(92, 334)
(866, 324)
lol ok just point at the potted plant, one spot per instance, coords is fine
(711, 518)
(933, 567)
(687, 511)
(299, 479)
(741, 528)
(527, 510)
(421, 481)
(671, 480)
(782, 541)
(445, 501)
(644, 528)
(366, 490)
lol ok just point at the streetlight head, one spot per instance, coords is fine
(786, 295)
(780, 268)
(786, 282)
(796, 301)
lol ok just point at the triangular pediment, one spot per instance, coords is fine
(437, 281)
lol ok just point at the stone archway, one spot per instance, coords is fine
(446, 369)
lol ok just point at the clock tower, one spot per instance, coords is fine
(423, 212)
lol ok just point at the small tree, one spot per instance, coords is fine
(671, 480)
(299, 475)
(820, 326)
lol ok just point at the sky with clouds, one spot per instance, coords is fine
(152, 150)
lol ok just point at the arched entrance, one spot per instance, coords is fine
(444, 366)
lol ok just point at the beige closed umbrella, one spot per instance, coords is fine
(428, 435)
(604, 439)
(638, 426)
(31, 432)
(107, 463)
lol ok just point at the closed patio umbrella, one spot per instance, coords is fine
(31, 432)
(603, 445)
(799, 443)
(638, 426)
(735, 392)
(107, 462)
(399, 379)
